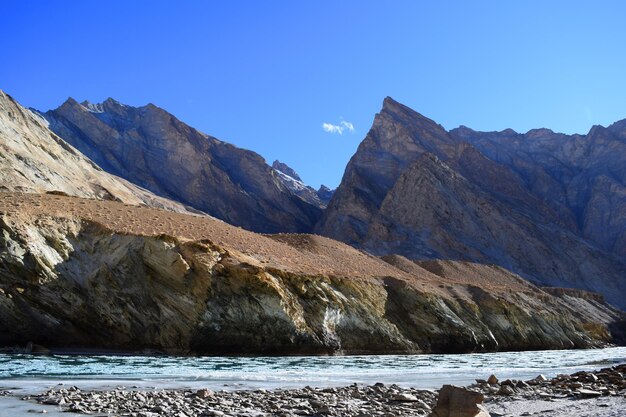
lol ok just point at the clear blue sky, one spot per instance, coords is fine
(265, 75)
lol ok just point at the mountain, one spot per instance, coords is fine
(325, 194)
(286, 169)
(34, 159)
(79, 274)
(581, 177)
(294, 183)
(151, 148)
(548, 206)
(111, 271)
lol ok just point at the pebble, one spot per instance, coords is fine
(583, 384)
(356, 400)
(378, 400)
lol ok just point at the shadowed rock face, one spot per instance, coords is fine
(151, 148)
(551, 207)
(286, 169)
(581, 177)
(84, 273)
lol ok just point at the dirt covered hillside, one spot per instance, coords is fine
(78, 273)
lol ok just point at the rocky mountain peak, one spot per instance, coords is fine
(70, 103)
(286, 169)
(539, 133)
(404, 114)
(292, 181)
(596, 130)
(495, 197)
(619, 128)
(464, 130)
(35, 160)
(325, 194)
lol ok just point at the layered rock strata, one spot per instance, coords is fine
(107, 275)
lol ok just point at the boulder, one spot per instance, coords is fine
(459, 402)
(204, 393)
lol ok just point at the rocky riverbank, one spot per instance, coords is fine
(596, 393)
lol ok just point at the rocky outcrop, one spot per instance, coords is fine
(34, 159)
(151, 148)
(112, 276)
(535, 204)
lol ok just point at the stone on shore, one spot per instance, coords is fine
(204, 393)
(587, 393)
(459, 402)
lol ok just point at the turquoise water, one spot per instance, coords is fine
(27, 373)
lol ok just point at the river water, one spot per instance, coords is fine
(27, 374)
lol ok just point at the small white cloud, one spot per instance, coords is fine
(331, 128)
(340, 128)
(347, 125)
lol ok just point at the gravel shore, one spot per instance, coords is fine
(598, 393)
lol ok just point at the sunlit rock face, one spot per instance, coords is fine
(548, 206)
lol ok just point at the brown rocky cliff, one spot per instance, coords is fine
(113, 276)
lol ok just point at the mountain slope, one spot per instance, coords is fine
(583, 177)
(34, 159)
(543, 205)
(151, 148)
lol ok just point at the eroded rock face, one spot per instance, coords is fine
(547, 206)
(69, 275)
(153, 149)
